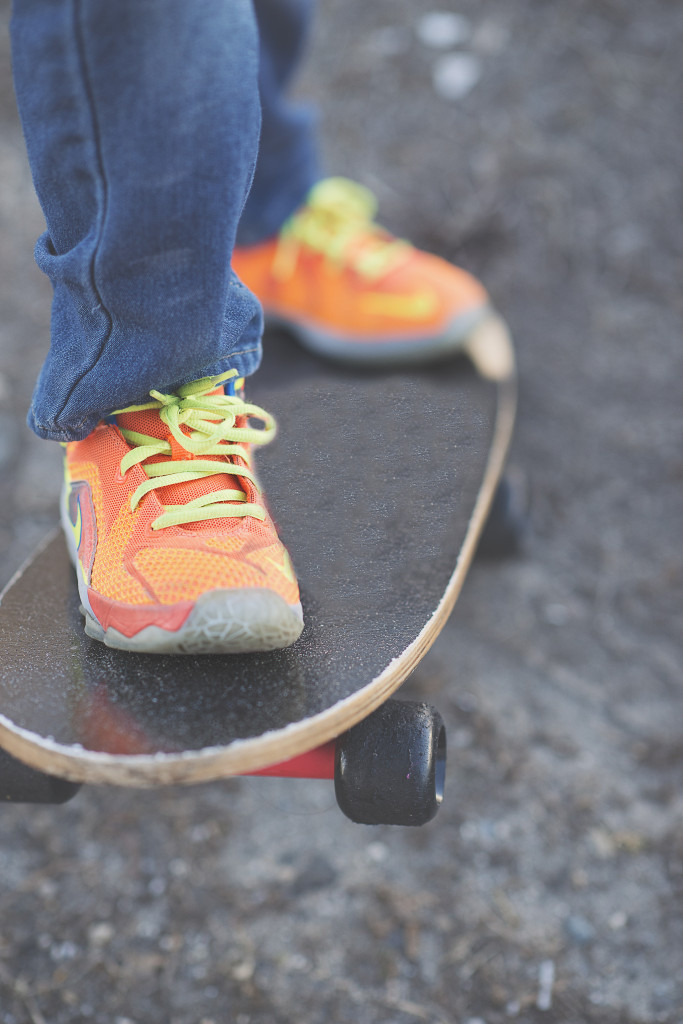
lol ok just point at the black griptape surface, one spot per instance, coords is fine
(372, 481)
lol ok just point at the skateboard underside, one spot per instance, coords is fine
(380, 484)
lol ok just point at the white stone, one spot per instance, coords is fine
(377, 852)
(443, 29)
(455, 74)
(100, 933)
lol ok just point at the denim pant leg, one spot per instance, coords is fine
(287, 165)
(141, 120)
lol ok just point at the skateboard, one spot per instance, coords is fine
(380, 483)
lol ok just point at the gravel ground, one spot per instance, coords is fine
(550, 887)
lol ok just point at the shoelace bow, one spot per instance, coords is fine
(338, 221)
(211, 420)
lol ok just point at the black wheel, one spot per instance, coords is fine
(507, 526)
(391, 768)
(21, 784)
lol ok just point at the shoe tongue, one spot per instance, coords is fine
(149, 422)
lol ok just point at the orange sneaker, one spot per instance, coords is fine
(173, 546)
(351, 291)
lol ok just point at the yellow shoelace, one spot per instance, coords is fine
(211, 420)
(338, 221)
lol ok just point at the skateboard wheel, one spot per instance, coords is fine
(390, 769)
(21, 784)
(508, 523)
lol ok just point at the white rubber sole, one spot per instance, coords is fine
(234, 621)
(390, 352)
(221, 622)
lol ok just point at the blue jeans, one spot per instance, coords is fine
(142, 121)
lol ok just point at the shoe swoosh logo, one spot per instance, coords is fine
(411, 306)
(285, 566)
(82, 521)
(77, 526)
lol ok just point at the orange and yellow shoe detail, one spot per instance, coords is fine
(351, 291)
(173, 545)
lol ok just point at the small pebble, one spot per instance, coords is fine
(546, 980)
(297, 962)
(100, 934)
(603, 843)
(243, 971)
(63, 951)
(443, 29)
(556, 614)
(178, 868)
(579, 930)
(377, 852)
(461, 739)
(200, 833)
(317, 874)
(466, 702)
(455, 74)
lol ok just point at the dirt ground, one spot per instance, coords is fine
(550, 887)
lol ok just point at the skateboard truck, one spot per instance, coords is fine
(388, 769)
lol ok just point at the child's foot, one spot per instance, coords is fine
(351, 291)
(173, 546)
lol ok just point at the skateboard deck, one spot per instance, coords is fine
(380, 483)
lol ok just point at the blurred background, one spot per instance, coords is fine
(539, 145)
